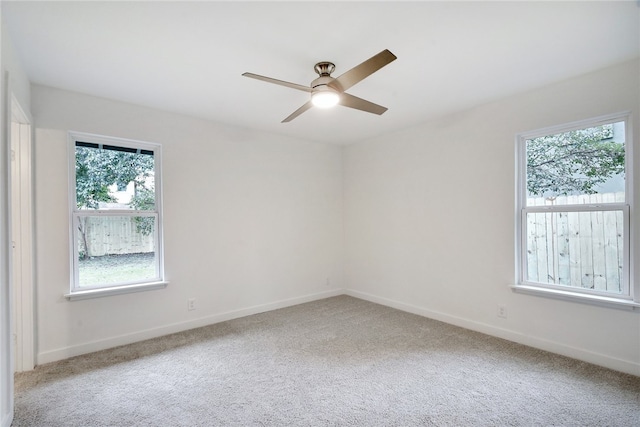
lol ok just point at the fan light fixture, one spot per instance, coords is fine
(326, 98)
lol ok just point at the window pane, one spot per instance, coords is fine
(576, 249)
(109, 178)
(116, 249)
(576, 167)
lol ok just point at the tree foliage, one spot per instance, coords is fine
(144, 199)
(573, 162)
(97, 169)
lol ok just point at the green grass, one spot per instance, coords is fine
(112, 269)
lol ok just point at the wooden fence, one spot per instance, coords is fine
(111, 235)
(580, 249)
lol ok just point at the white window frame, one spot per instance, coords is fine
(76, 292)
(630, 298)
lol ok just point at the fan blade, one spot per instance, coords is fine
(278, 82)
(351, 101)
(368, 67)
(299, 111)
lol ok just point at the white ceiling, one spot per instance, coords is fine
(188, 57)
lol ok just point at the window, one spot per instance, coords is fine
(573, 208)
(116, 222)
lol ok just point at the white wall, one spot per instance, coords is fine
(13, 81)
(430, 221)
(6, 368)
(252, 221)
(255, 221)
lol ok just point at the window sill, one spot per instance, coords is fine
(105, 292)
(575, 297)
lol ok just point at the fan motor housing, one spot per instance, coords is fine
(322, 81)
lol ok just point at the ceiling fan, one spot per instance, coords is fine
(327, 91)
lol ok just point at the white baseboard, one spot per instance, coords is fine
(625, 366)
(90, 347)
(629, 367)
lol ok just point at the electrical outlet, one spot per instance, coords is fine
(502, 311)
(191, 304)
(327, 282)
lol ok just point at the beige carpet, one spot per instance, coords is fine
(334, 362)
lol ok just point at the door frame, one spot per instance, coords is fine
(21, 237)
